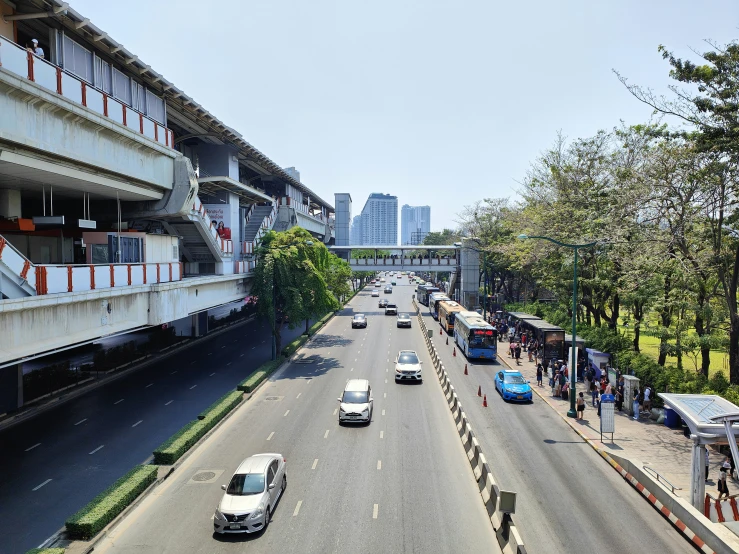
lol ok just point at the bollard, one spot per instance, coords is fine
(440, 330)
(465, 369)
(447, 340)
(479, 390)
(454, 352)
(485, 401)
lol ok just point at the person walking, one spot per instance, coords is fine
(648, 399)
(557, 385)
(580, 406)
(539, 374)
(635, 406)
(518, 354)
(723, 487)
(593, 392)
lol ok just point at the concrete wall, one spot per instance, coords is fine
(161, 248)
(216, 160)
(470, 276)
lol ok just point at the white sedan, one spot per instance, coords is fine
(375, 292)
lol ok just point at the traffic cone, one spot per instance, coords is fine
(465, 369)
(485, 401)
(454, 352)
(479, 390)
(447, 340)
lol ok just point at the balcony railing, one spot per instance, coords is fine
(52, 279)
(404, 261)
(18, 60)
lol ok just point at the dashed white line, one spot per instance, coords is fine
(253, 347)
(272, 434)
(315, 463)
(386, 381)
(191, 363)
(80, 421)
(379, 464)
(212, 374)
(336, 410)
(118, 401)
(374, 511)
(193, 387)
(139, 422)
(229, 363)
(168, 403)
(173, 372)
(298, 395)
(309, 380)
(241, 355)
(287, 412)
(325, 435)
(98, 448)
(224, 346)
(32, 447)
(41, 485)
(383, 412)
(297, 508)
(149, 385)
(382, 434)
(384, 395)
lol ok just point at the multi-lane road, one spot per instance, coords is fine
(53, 464)
(399, 484)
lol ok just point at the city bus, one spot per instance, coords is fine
(423, 292)
(434, 300)
(474, 336)
(447, 310)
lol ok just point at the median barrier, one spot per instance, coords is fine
(261, 373)
(45, 551)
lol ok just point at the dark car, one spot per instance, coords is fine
(382, 303)
(359, 320)
(388, 290)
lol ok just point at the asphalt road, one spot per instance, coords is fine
(400, 484)
(53, 464)
(568, 498)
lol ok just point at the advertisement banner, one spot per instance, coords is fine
(220, 218)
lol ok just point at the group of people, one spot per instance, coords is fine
(727, 468)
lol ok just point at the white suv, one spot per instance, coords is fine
(408, 367)
(356, 402)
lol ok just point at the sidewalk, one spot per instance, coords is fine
(664, 450)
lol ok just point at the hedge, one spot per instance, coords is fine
(290, 349)
(46, 551)
(226, 398)
(264, 370)
(91, 519)
(173, 448)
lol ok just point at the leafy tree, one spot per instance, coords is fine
(338, 275)
(291, 280)
(443, 238)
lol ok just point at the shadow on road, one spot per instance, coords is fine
(327, 341)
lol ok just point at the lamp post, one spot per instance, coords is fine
(573, 362)
(274, 295)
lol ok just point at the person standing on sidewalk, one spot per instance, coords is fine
(723, 488)
(648, 399)
(593, 392)
(517, 353)
(635, 406)
(539, 373)
(580, 406)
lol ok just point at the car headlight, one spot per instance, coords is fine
(342, 410)
(259, 512)
(219, 515)
(397, 369)
(365, 411)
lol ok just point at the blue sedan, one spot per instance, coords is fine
(513, 386)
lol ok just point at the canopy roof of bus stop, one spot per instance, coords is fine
(524, 316)
(700, 411)
(541, 325)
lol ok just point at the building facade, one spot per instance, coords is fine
(343, 204)
(380, 220)
(356, 231)
(415, 224)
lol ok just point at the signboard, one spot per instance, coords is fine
(220, 217)
(607, 415)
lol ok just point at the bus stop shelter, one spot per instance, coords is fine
(711, 420)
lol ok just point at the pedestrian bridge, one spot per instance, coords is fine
(443, 258)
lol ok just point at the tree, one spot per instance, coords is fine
(443, 238)
(338, 275)
(290, 280)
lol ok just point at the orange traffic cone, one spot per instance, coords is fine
(485, 401)
(479, 390)
(454, 352)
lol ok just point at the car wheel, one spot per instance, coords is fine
(284, 483)
(267, 517)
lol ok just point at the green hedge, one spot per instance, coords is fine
(46, 551)
(290, 349)
(90, 520)
(173, 448)
(227, 398)
(320, 323)
(262, 372)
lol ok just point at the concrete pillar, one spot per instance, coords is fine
(470, 275)
(11, 388)
(698, 474)
(10, 203)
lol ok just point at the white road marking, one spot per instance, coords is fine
(32, 447)
(253, 347)
(117, 401)
(229, 363)
(287, 412)
(384, 395)
(309, 380)
(297, 508)
(212, 374)
(139, 422)
(41, 485)
(272, 434)
(325, 435)
(359, 351)
(191, 363)
(386, 370)
(336, 410)
(173, 372)
(236, 340)
(224, 346)
(98, 448)
(193, 387)
(315, 463)
(383, 412)
(374, 511)
(81, 421)
(263, 342)
(149, 385)
(386, 381)
(168, 403)
(379, 464)
(382, 434)
(298, 395)
(241, 355)
(209, 353)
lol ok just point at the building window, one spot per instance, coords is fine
(155, 107)
(121, 86)
(78, 60)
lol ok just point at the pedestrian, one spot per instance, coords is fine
(609, 389)
(723, 487)
(37, 49)
(593, 392)
(635, 406)
(563, 387)
(580, 406)
(647, 398)
(523, 341)
(531, 354)
(557, 385)
(619, 398)
(518, 354)
(539, 374)
(707, 464)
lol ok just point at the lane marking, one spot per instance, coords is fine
(287, 412)
(336, 410)
(41, 485)
(379, 465)
(241, 355)
(168, 403)
(32, 447)
(149, 385)
(253, 347)
(325, 435)
(315, 463)
(209, 353)
(374, 511)
(173, 372)
(117, 401)
(263, 342)
(355, 359)
(386, 381)
(383, 412)
(382, 434)
(352, 369)
(212, 374)
(297, 508)
(384, 395)
(139, 422)
(193, 387)
(386, 370)
(298, 395)
(98, 448)
(272, 434)
(229, 363)
(191, 363)
(309, 380)
(80, 421)
(224, 346)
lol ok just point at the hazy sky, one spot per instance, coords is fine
(439, 103)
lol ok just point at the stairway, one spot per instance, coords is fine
(255, 222)
(15, 272)
(454, 285)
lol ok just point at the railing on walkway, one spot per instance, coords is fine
(53, 279)
(245, 266)
(267, 224)
(226, 245)
(714, 508)
(18, 60)
(661, 478)
(403, 261)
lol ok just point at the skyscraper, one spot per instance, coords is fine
(415, 224)
(343, 202)
(356, 232)
(380, 220)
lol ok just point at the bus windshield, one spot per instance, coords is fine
(480, 339)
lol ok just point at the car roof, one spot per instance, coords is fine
(405, 315)
(257, 463)
(357, 385)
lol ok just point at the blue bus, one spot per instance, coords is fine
(423, 292)
(434, 299)
(475, 336)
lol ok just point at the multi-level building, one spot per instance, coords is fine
(356, 231)
(415, 224)
(343, 203)
(380, 220)
(118, 191)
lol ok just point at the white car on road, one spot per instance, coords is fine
(375, 292)
(408, 367)
(252, 495)
(356, 402)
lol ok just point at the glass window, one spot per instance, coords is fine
(408, 359)
(155, 107)
(243, 484)
(514, 379)
(272, 472)
(121, 86)
(78, 60)
(355, 397)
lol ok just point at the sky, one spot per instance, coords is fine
(438, 103)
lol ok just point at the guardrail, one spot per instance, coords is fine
(508, 536)
(245, 266)
(53, 279)
(18, 60)
(660, 478)
(403, 261)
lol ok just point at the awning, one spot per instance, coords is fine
(214, 185)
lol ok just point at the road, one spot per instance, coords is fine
(569, 499)
(400, 484)
(53, 464)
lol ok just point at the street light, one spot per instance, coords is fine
(573, 362)
(274, 296)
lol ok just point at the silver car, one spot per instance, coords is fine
(252, 494)
(408, 367)
(404, 320)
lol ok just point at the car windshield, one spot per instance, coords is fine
(514, 379)
(244, 484)
(404, 316)
(359, 316)
(355, 397)
(408, 359)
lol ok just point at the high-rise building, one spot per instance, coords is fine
(380, 220)
(343, 212)
(356, 232)
(415, 224)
